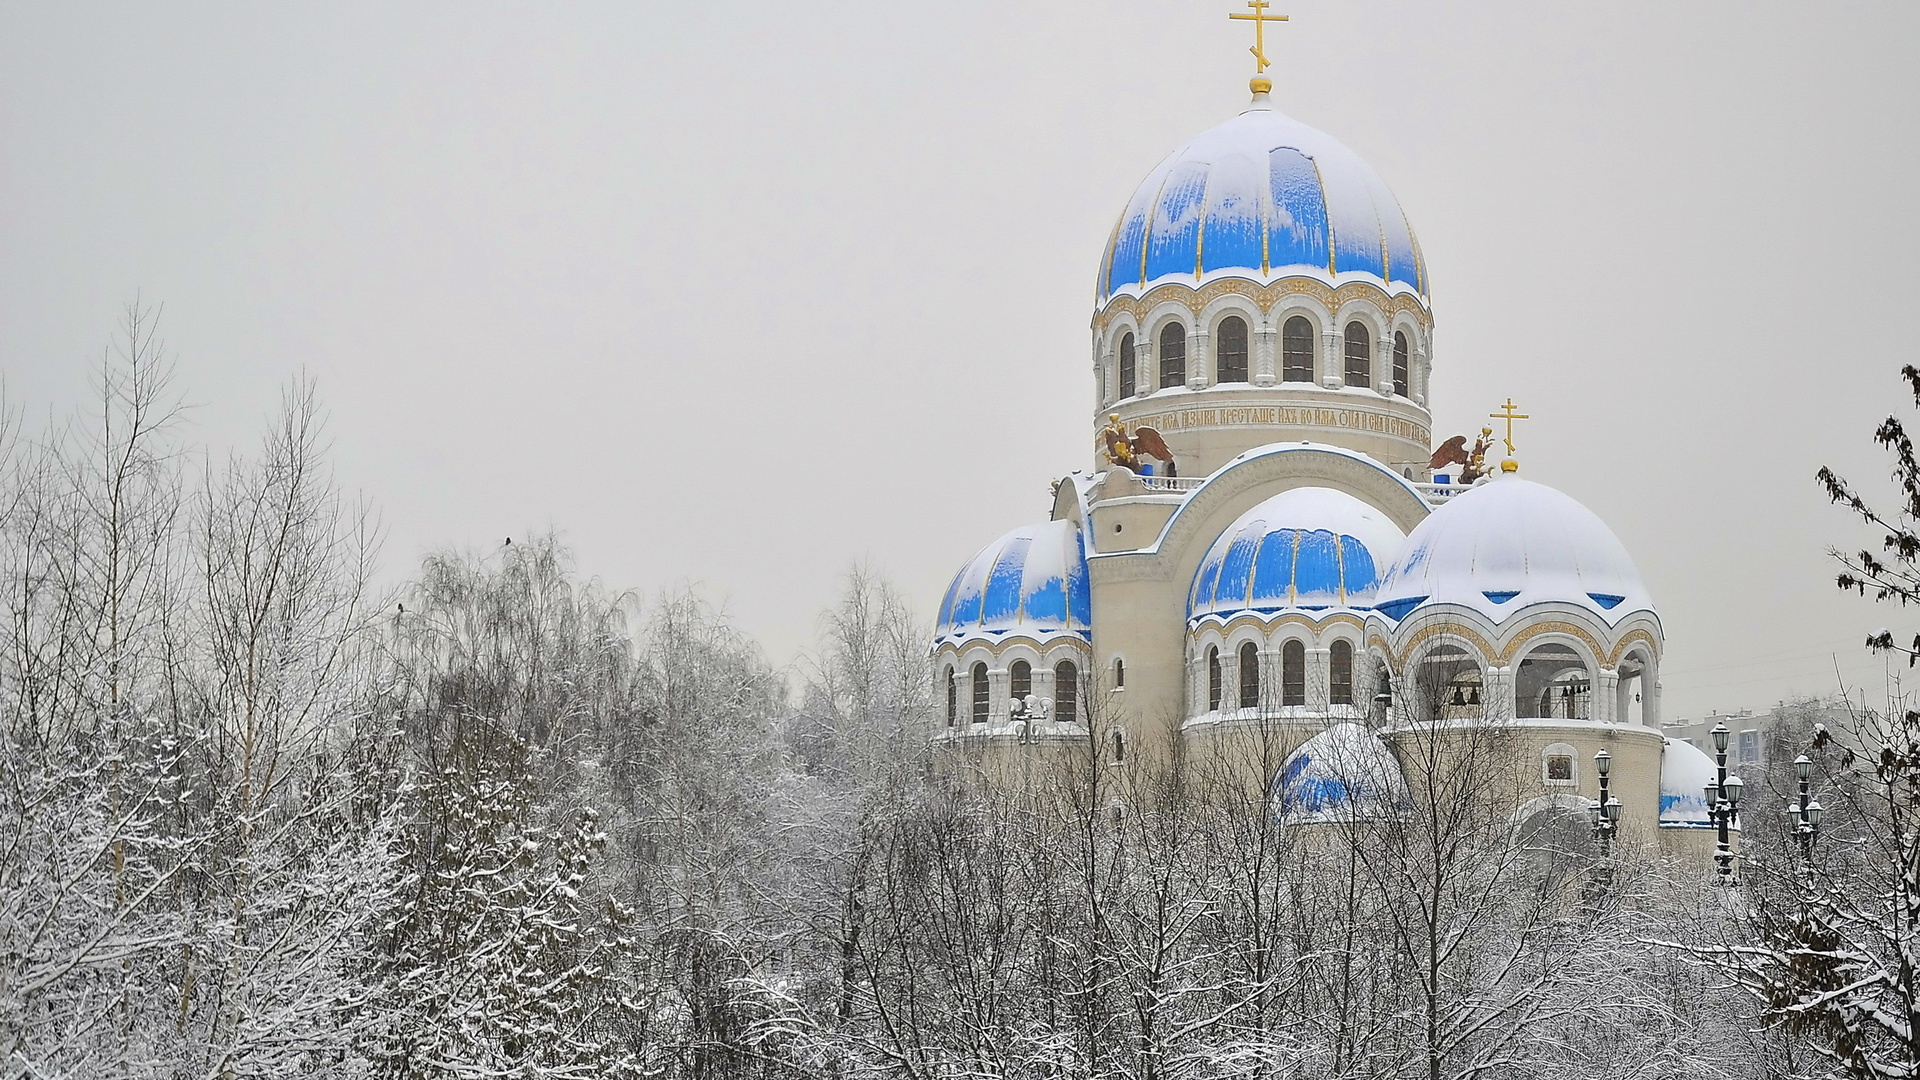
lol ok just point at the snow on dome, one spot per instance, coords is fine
(1261, 195)
(1685, 772)
(1337, 775)
(1310, 547)
(1032, 580)
(1509, 543)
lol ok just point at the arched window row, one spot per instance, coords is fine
(1027, 697)
(1161, 360)
(1551, 680)
(1278, 673)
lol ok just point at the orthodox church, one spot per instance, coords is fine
(1268, 541)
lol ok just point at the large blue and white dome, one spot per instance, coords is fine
(1262, 196)
(1032, 581)
(1311, 547)
(1507, 544)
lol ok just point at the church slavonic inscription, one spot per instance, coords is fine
(1291, 415)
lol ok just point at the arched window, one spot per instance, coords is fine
(1173, 355)
(953, 700)
(1213, 678)
(1293, 673)
(1401, 353)
(1230, 350)
(1340, 672)
(1066, 692)
(1359, 355)
(1127, 370)
(1119, 747)
(1296, 350)
(1119, 674)
(1551, 681)
(1022, 679)
(1249, 675)
(979, 693)
(1447, 685)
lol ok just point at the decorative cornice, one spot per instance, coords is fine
(1264, 296)
(1460, 630)
(1574, 630)
(1626, 642)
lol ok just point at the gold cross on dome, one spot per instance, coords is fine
(1259, 19)
(1507, 412)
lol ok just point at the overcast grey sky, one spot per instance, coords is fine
(737, 293)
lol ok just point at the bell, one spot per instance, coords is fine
(1473, 696)
(1458, 698)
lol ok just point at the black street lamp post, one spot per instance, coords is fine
(1807, 812)
(1723, 799)
(1605, 811)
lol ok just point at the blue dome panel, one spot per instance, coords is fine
(1357, 571)
(1174, 240)
(1236, 570)
(1297, 228)
(1403, 258)
(1316, 568)
(1003, 582)
(1032, 580)
(1079, 591)
(1231, 236)
(1358, 250)
(1273, 570)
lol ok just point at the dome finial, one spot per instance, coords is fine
(1259, 19)
(1509, 413)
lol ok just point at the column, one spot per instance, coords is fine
(1199, 359)
(1263, 369)
(1043, 686)
(1331, 362)
(999, 687)
(1418, 376)
(1383, 365)
(1606, 696)
(1319, 677)
(1496, 693)
(1269, 681)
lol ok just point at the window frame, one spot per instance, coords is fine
(981, 711)
(1357, 349)
(1213, 678)
(1171, 348)
(1402, 364)
(1128, 362)
(1288, 368)
(1340, 672)
(1066, 692)
(1238, 371)
(1293, 672)
(1249, 675)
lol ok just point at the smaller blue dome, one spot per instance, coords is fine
(1032, 581)
(1685, 772)
(1310, 547)
(1343, 772)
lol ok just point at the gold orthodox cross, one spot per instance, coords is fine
(1259, 19)
(1508, 413)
